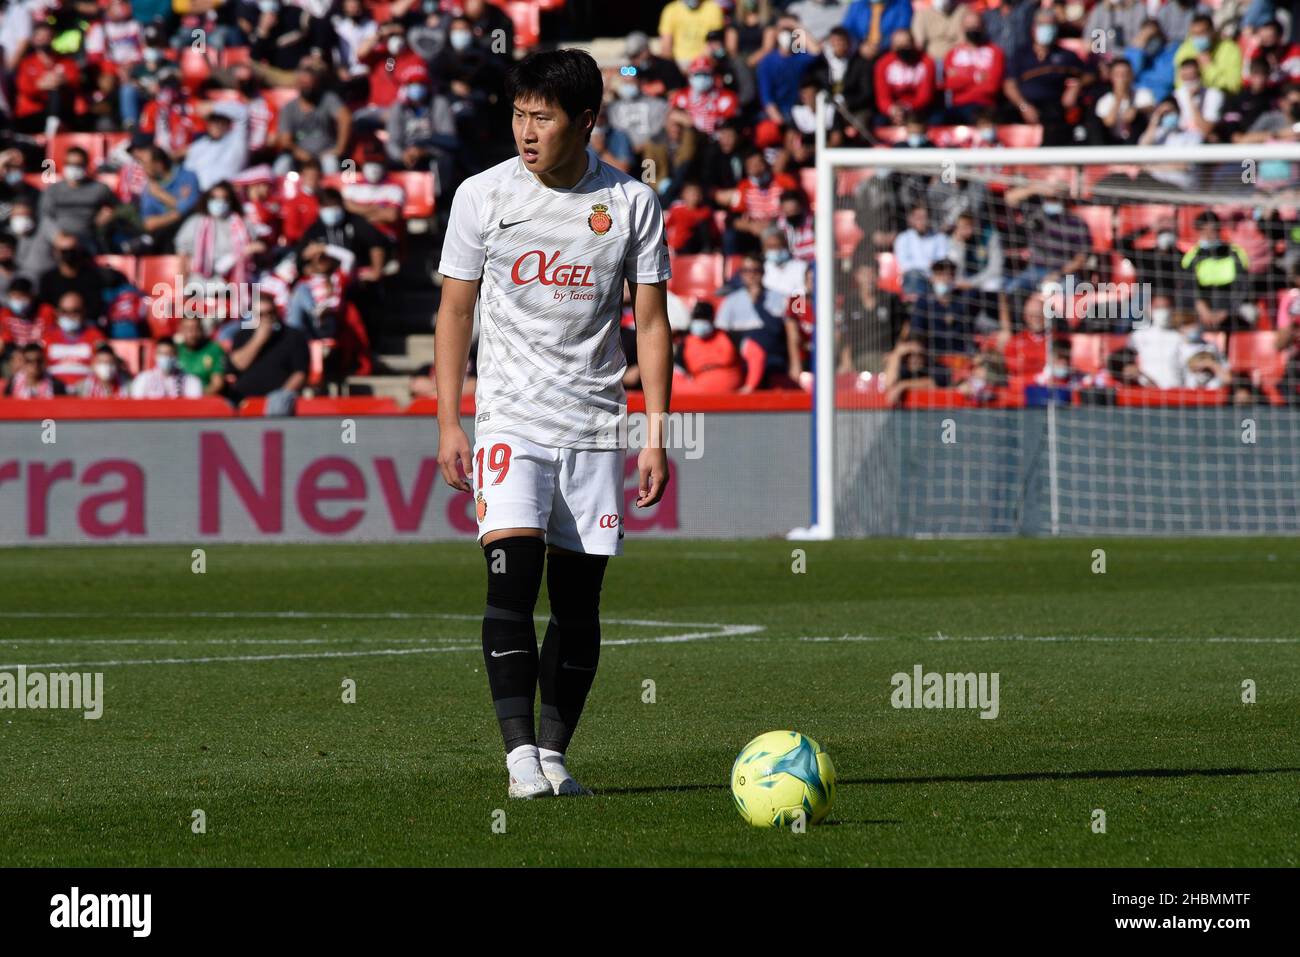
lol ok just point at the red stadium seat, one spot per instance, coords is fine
(1020, 134)
(155, 270)
(196, 67)
(847, 179)
(278, 96)
(235, 56)
(696, 275)
(527, 19)
(808, 180)
(419, 193)
(1255, 352)
(1078, 46)
(890, 278)
(1101, 224)
(889, 135)
(1086, 351)
(1145, 216)
(847, 233)
(126, 265)
(130, 352)
(320, 348)
(93, 143)
(934, 399)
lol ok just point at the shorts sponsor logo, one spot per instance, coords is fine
(610, 521)
(480, 506)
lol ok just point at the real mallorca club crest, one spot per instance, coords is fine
(600, 220)
(480, 506)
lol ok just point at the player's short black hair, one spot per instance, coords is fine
(568, 78)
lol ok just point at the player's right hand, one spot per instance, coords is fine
(455, 457)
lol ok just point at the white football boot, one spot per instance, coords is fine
(560, 778)
(526, 778)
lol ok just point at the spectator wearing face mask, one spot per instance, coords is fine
(389, 58)
(972, 71)
(70, 346)
(316, 124)
(165, 379)
(1199, 106)
(636, 113)
(755, 204)
(938, 28)
(796, 223)
(656, 74)
(684, 26)
(281, 36)
(782, 272)
(73, 272)
(1060, 241)
(917, 249)
(1043, 82)
(300, 202)
(1059, 372)
(1154, 255)
(1220, 271)
(1218, 58)
(77, 205)
(904, 81)
(34, 254)
(873, 22)
(14, 187)
(28, 378)
(335, 226)
(106, 379)
(23, 320)
(375, 196)
(782, 70)
(1159, 345)
(1153, 61)
(1203, 365)
(710, 363)
(707, 103)
(943, 315)
(1175, 18)
(214, 243)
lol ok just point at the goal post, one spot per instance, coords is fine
(1094, 417)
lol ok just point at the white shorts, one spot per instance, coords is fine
(574, 495)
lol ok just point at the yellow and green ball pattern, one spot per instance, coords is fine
(781, 775)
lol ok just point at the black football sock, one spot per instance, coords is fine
(509, 636)
(571, 649)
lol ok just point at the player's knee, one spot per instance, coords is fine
(514, 573)
(573, 583)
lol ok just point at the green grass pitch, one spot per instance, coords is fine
(223, 692)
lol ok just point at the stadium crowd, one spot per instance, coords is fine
(156, 154)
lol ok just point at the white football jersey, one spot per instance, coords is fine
(553, 263)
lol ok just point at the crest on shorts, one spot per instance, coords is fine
(480, 506)
(600, 220)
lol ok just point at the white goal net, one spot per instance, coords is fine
(1063, 341)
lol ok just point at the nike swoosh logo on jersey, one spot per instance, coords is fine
(502, 654)
(504, 225)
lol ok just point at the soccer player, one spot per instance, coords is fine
(544, 242)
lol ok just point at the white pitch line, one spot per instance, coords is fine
(720, 631)
(1056, 638)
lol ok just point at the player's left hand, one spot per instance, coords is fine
(653, 466)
